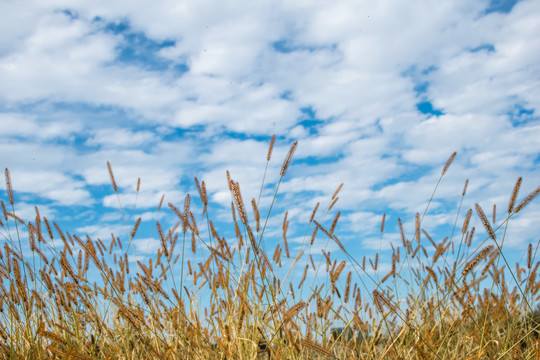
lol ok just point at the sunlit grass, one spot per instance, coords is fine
(202, 296)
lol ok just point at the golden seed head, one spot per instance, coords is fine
(479, 257)
(161, 202)
(514, 195)
(337, 191)
(187, 203)
(417, 228)
(313, 213)
(288, 159)
(465, 187)
(271, 148)
(485, 221)
(240, 203)
(529, 256)
(528, 199)
(466, 222)
(334, 223)
(135, 227)
(313, 235)
(112, 177)
(4, 210)
(256, 214)
(176, 211)
(448, 163)
(229, 180)
(8, 188)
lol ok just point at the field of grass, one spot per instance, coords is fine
(240, 302)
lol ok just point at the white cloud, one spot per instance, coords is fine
(50, 185)
(146, 246)
(118, 137)
(492, 82)
(27, 126)
(104, 232)
(69, 105)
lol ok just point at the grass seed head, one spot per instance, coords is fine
(288, 159)
(448, 163)
(485, 221)
(9, 189)
(527, 200)
(270, 148)
(112, 177)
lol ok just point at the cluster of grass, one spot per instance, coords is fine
(460, 302)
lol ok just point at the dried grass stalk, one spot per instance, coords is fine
(485, 221)
(514, 195)
(465, 188)
(256, 214)
(240, 203)
(479, 257)
(287, 161)
(135, 227)
(4, 210)
(529, 256)
(270, 148)
(335, 275)
(9, 188)
(448, 163)
(417, 228)
(161, 202)
(337, 191)
(380, 300)
(347, 288)
(334, 223)
(112, 177)
(527, 200)
(466, 222)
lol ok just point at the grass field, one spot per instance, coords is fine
(240, 302)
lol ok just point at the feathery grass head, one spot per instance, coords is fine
(485, 221)
(527, 200)
(270, 148)
(449, 162)
(514, 195)
(9, 189)
(112, 177)
(479, 257)
(288, 159)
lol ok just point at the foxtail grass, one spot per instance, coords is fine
(70, 296)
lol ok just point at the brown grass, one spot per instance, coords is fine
(63, 297)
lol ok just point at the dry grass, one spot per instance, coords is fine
(236, 303)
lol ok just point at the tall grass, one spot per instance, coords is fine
(73, 297)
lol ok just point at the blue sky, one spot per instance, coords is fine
(377, 94)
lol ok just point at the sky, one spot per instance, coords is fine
(378, 95)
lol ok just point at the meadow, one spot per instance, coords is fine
(462, 301)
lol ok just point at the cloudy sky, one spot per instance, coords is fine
(378, 95)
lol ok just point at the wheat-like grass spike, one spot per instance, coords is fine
(485, 221)
(9, 189)
(288, 159)
(270, 148)
(528, 199)
(112, 177)
(448, 162)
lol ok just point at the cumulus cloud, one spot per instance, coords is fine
(377, 94)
